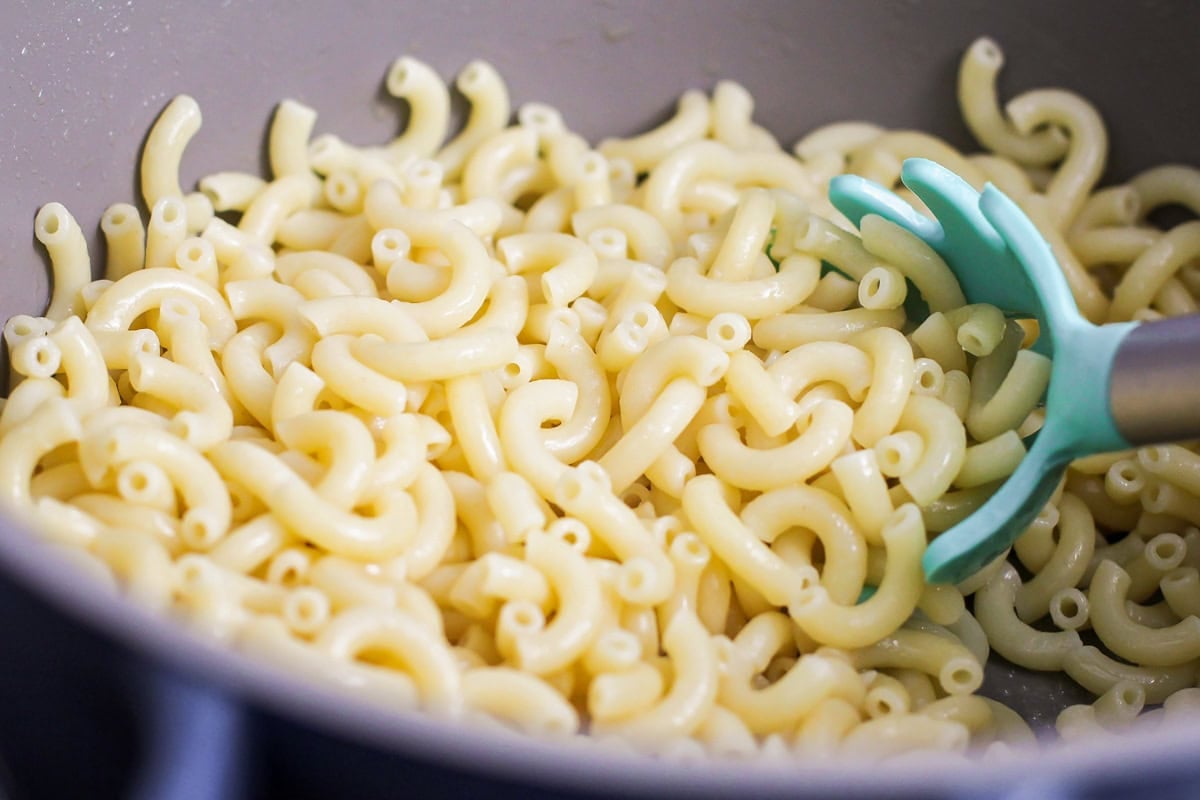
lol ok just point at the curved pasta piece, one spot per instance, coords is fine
(427, 660)
(692, 693)
(576, 362)
(585, 492)
(738, 546)
(578, 608)
(945, 444)
(146, 289)
(1097, 672)
(1009, 636)
(567, 265)
(1154, 647)
(890, 384)
(698, 161)
(1066, 565)
(520, 698)
(754, 298)
(977, 73)
(849, 625)
(644, 151)
(53, 424)
(777, 510)
(795, 462)
(300, 508)
(647, 240)
(209, 512)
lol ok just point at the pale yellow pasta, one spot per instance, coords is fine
(940, 657)
(990, 461)
(865, 491)
(690, 123)
(126, 239)
(1152, 268)
(827, 432)
(1169, 646)
(1012, 638)
(162, 153)
(813, 679)
(981, 111)
(1067, 563)
(70, 265)
(943, 450)
(850, 626)
(1086, 150)
(692, 691)
(577, 439)
(484, 88)
(647, 439)
(786, 331)
(891, 381)
(938, 340)
(845, 566)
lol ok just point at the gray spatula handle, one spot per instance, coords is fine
(1155, 386)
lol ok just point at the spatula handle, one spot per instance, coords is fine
(1154, 389)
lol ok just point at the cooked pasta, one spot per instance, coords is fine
(639, 440)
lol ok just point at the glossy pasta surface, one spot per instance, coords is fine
(635, 438)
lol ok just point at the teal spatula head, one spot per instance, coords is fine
(1000, 258)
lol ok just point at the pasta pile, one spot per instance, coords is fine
(610, 439)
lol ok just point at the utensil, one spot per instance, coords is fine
(1112, 386)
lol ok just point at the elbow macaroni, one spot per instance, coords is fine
(630, 438)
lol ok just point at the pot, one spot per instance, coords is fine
(140, 707)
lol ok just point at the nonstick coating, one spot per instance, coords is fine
(83, 82)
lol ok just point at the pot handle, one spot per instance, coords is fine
(196, 743)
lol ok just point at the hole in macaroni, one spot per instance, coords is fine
(989, 53)
(398, 78)
(171, 211)
(138, 482)
(524, 617)
(197, 530)
(688, 547)
(470, 76)
(53, 222)
(1132, 695)
(572, 532)
(306, 610)
(594, 166)
(1154, 498)
(117, 218)
(22, 328)
(636, 581)
(195, 573)
(879, 705)
(960, 676)
(1153, 455)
